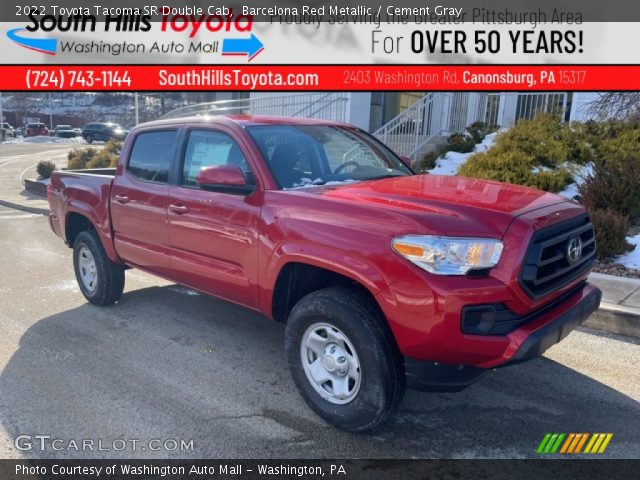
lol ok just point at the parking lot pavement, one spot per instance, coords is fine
(18, 161)
(169, 364)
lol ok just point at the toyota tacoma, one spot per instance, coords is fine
(384, 279)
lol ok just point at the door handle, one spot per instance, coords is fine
(179, 209)
(122, 198)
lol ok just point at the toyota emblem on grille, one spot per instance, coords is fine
(574, 249)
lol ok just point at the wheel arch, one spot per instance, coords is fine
(297, 277)
(77, 221)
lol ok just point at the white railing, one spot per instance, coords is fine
(408, 132)
(324, 106)
(531, 104)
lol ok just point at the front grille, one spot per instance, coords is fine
(548, 264)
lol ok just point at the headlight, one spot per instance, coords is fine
(449, 255)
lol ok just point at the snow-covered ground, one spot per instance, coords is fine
(44, 139)
(449, 164)
(631, 259)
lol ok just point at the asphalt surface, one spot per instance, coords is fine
(168, 364)
(18, 161)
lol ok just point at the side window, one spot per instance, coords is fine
(150, 157)
(207, 148)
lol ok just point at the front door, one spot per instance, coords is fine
(213, 235)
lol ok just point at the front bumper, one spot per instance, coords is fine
(435, 376)
(550, 334)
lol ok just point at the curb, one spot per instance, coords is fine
(618, 319)
(25, 208)
(36, 187)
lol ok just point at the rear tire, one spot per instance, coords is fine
(101, 281)
(89, 139)
(343, 358)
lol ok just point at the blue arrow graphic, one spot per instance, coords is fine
(242, 46)
(43, 45)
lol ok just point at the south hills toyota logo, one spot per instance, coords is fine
(193, 26)
(41, 45)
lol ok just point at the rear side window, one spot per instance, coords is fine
(151, 156)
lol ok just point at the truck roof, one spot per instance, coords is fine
(243, 120)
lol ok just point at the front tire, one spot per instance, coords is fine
(89, 139)
(101, 281)
(343, 358)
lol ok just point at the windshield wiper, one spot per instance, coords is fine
(381, 177)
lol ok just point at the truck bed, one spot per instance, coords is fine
(84, 192)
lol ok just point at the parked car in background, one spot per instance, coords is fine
(19, 132)
(9, 129)
(103, 132)
(383, 278)
(64, 131)
(36, 130)
(77, 132)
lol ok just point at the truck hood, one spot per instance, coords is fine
(455, 206)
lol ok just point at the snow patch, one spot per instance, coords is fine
(307, 182)
(452, 161)
(184, 291)
(579, 173)
(47, 140)
(631, 259)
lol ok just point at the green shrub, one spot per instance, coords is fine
(103, 159)
(614, 184)
(461, 143)
(82, 158)
(430, 159)
(611, 230)
(625, 144)
(535, 153)
(45, 168)
(479, 130)
(113, 147)
(550, 142)
(78, 158)
(515, 167)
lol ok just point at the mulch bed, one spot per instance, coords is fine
(612, 268)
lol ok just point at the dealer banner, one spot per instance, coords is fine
(260, 37)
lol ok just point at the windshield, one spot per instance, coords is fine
(308, 155)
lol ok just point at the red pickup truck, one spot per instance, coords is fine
(384, 278)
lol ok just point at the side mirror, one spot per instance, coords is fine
(224, 179)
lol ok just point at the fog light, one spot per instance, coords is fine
(478, 320)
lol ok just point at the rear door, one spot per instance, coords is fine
(139, 201)
(213, 235)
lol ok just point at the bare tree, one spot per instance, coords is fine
(622, 105)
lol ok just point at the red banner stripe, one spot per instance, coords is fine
(320, 77)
